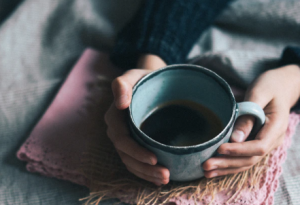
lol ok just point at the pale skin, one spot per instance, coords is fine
(276, 91)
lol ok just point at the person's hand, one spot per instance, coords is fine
(137, 159)
(276, 91)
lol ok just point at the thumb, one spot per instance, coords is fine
(122, 93)
(122, 87)
(242, 128)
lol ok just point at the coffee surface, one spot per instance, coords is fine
(182, 123)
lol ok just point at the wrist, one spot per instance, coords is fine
(150, 62)
(292, 73)
(295, 72)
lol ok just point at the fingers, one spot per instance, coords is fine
(269, 137)
(137, 159)
(122, 87)
(156, 174)
(154, 180)
(242, 128)
(119, 135)
(240, 155)
(127, 145)
(221, 172)
(244, 124)
(229, 162)
(122, 91)
(249, 148)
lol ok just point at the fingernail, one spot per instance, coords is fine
(238, 136)
(122, 100)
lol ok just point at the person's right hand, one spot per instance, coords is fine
(136, 158)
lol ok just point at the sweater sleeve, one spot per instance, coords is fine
(167, 28)
(291, 55)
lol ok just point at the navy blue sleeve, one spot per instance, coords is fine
(291, 55)
(167, 28)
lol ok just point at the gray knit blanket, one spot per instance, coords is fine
(41, 39)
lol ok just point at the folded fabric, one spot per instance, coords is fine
(55, 145)
(61, 144)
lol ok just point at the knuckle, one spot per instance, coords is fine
(262, 150)
(116, 84)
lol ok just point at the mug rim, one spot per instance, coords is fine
(183, 149)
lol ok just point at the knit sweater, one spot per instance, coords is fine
(169, 29)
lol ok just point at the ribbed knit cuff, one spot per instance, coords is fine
(167, 28)
(290, 55)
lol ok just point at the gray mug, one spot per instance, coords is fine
(196, 84)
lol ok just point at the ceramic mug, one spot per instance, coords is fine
(196, 84)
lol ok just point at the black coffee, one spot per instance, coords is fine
(182, 123)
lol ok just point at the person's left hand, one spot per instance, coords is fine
(276, 91)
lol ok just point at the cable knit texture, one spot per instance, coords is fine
(169, 29)
(166, 28)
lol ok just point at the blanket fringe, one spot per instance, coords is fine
(144, 193)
